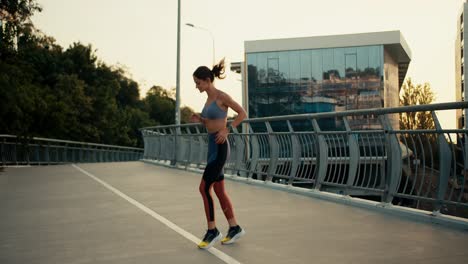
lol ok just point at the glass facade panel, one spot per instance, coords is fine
(327, 64)
(262, 69)
(362, 58)
(252, 82)
(375, 59)
(339, 62)
(317, 69)
(283, 58)
(317, 80)
(294, 70)
(306, 67)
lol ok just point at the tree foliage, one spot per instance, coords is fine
(416, 94)
(49, 91)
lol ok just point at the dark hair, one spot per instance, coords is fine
(204, 72)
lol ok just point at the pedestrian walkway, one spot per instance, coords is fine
(133, 212)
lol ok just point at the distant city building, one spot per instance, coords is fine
(323, 74)
(460, 86)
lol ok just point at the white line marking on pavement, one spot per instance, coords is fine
(221, 255)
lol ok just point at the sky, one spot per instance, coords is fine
(141, 35)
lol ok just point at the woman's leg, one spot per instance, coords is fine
(212, 234)
(235, 231)
(205, 191)
(225, 201)
(217, 155)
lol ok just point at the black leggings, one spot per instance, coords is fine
(213, 176)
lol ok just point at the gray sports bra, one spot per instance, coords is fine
(213, 111)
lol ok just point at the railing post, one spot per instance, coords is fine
(88, 156)
(445, 162)
(161, 138)
(81, 153)
(37, 155)
(145, 143)
(199, 148)
(176, 131)
(149, 144)
(274, 152)
(189, 151)
(323, 155)
(91, 154)
(94, 150)
(107, 155)
(394, 163)
(15, 158)
(165, 145)
(296, 153)
(354, 155)
(240, 148)
(3, 152)
(64, 153)
(26, 147)
(76, 153)
(255, 152)
(72, 149)
(152, 143)
(47, 154)
(184, 147)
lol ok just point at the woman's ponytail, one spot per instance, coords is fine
(218, 70)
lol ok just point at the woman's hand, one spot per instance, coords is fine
(221, 136)
(195, 118)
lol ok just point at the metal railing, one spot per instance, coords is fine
(358, 153)
(45, 151)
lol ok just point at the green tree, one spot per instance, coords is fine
(16, 14)
(19, 99)
(69, 108)
(136, 118)
(419, 94)
(185, 114)
(49, 91)
(160, 106)
(129, 94)
(416, 94)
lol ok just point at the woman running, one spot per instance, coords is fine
(214, 118)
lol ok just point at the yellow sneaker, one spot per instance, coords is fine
(234, 233)
(210, 238)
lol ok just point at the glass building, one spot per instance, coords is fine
(460, 87)
(324, 74)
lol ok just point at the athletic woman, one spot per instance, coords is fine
(214, 118)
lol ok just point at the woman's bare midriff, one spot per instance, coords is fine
(214, 125)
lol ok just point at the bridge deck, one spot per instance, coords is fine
(119, 213)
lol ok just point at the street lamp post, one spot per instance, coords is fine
(211, 34)
(177, 102)
(177, 106)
